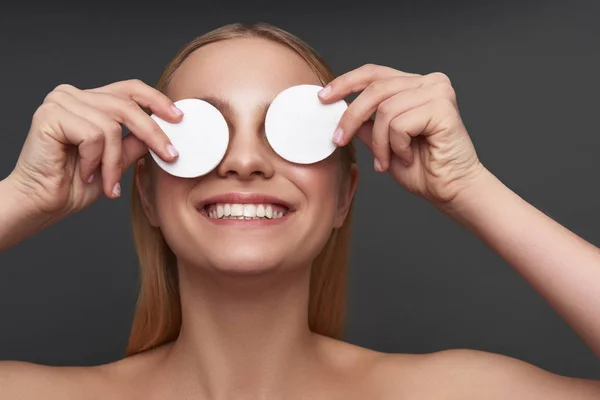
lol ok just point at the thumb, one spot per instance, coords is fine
(365, 133)
(133, 149)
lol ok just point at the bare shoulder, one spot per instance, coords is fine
(370, 374)
(464, 373)
(23, 380)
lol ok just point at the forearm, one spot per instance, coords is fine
(561, 266)
(18, 219)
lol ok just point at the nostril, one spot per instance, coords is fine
(246, 159)
(242, 175)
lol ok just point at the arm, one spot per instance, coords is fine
(561, 266)
(443, 168)
(18, 217)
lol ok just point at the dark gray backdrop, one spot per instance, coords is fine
(527, 78)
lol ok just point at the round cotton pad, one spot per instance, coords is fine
(299, 127)
(201, 137)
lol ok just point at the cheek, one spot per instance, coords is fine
(171, 194)
(320, 184)
(173, 208)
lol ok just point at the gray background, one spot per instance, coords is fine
(527, 78)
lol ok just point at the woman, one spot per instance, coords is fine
(250, 310)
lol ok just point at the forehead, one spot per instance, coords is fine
(241, 70)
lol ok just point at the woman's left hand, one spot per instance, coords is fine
(417, 133)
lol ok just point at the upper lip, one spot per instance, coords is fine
(244, 198)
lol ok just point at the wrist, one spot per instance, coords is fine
(16, 199)
(19, 216)
(474, 193)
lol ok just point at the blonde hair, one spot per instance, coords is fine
(157, 318)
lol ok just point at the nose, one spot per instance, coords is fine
(248, 156)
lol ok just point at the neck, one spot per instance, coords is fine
(240, 335)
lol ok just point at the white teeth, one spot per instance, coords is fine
(237, 210)
(245, 211)
(250, 210)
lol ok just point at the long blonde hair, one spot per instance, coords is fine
(157, 317)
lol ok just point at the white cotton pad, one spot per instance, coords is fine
(201, 137)
(299, 127)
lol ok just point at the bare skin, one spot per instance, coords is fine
(345, 372)
(244, 332)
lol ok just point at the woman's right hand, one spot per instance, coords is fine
(75, 149)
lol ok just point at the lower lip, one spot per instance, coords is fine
(247, 222)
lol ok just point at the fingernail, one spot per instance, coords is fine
(91, 178)
(377, 165)
(176, 110)
(338, 136)
(116, 190)
(172, 150)
(325, 91)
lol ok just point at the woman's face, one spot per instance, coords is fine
(304, 201)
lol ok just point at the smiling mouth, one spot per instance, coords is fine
(230, 211)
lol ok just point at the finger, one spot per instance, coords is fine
(144, 95)
(424, 120)
(85, 111)
(376, 97)
(371, 99)
(129, 113)
(365, 105)
(400, 138)
(357, 80)
(73, 130)
(398, 104)
(133, 149)
(380, 144)
(365, 133)
(401, 171)
(112, 165)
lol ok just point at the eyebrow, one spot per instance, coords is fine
(225, 107)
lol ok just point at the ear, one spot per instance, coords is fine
(347, 190)
(144, 185)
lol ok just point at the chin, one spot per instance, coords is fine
(240, 259)
(246, 260)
